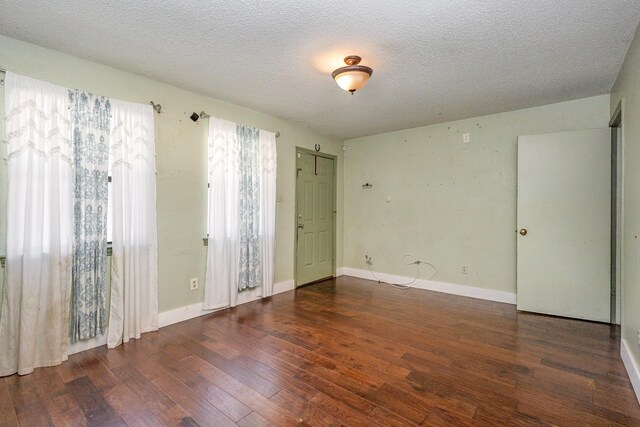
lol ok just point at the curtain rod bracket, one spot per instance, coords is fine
(156, 107)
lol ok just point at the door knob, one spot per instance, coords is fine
(523, 231)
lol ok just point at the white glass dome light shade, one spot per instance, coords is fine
(352, 77)
(352, 80)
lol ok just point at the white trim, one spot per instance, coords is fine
(631, 366)
(285, 286)
(79, 346)
(170, 317)
(340, 271)
(449, 288)
(181, 314)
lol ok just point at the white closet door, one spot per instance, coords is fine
(563, 240)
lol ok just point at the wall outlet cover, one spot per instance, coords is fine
(194, 284)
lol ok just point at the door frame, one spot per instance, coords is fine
(617, 212)
(334, 158)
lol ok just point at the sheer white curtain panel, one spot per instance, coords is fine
(34, 327)
(134, 263)
(223, 254)
(268, 165)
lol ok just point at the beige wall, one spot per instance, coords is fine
(627, 88)
(452, 203)
(181, 161)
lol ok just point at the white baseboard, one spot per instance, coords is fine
(181, 314)
(449, 288)
(287, 285)
(340, 271)
(170, 317)
(631, 366)
(78, 346)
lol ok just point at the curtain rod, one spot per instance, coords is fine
(204, 115)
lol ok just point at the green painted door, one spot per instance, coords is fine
(315, 193)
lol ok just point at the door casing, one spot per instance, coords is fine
(617, 176)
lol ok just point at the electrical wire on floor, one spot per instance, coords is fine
(413, 261)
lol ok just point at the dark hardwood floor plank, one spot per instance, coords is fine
(235, 369)
(227, 404)
(72, 418)
(177, 416)
(251, 398)
(303, 409)
(431, 400)
(285, 382)
(92, 403)
(621, 404)
(342, 412)
(55, 394)
(29, 407)
(202, 411)
(152, 397)
(254, 420)
(7, 411)
(345, 351)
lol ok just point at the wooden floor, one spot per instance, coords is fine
(342, 352)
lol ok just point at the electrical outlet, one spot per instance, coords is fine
(194, 284)
(638, 337)
(465, 269)
(368, 259)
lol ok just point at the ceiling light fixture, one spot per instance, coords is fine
(353, 76)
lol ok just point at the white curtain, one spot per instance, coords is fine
(227, 164)
(134, 270)
(34, 328)
(223, 255)
(268, 201)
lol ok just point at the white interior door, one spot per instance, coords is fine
(564, 193)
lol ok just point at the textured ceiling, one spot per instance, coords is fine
(433, 61)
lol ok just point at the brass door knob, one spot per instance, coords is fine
(523, 231)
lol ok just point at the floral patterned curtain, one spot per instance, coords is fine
(90, 120)
(250, 271)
